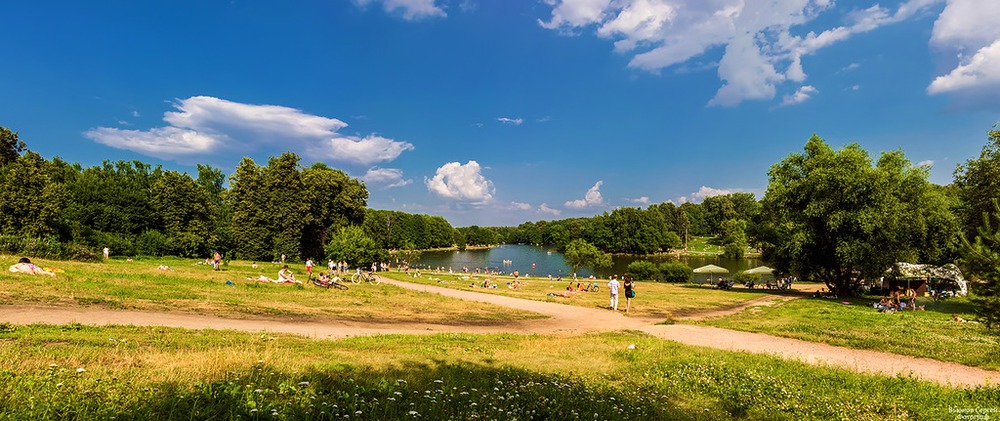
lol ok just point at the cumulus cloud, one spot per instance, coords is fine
(760, 49)
(203, 123)
(520, 206)
(926, 163)
(800, 96)
(982, 70)
(967, 30)
(461, 182)
(706, 191)
(386, 177)
(411, 9)
(591, 198)
(641, 201)
(544, 208)
(514, 121)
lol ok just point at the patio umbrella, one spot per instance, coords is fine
(710, 269)
(763, 270)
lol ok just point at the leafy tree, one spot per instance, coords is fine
(581, 253)
(184, 212)
(835, 218)
(977, 182)
(982, 258)
(351, 245)
(10, 146)
(734, 238)
(695, 215)
(643, 269)
(718, 209)
(31, 202)
(249, 225)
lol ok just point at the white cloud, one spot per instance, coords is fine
(387, 177)
(591, 198)
(135, 113)
(982, 70)
(544, 208)
(760, 51)
(461, 182)
(800, 96)
(411, 9)
(642, 200)
(161, 141)
(514, 121)
(202, 123)
(705, 191)
(926, 163)
(856, 88)
(520, 206)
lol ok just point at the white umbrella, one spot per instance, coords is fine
(763, 270)
(710, 269)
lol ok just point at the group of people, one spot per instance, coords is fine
(896, 301)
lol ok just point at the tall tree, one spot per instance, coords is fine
(982, 258)
(581, 253)
(978, 185)
(835, 218)
(249, 226)
(10, 146)
(184, 213)
(31, 202)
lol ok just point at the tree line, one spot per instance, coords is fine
(282, 208)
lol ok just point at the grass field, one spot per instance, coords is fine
(931, 333)
(80, 372)
(189, 287)
(125, 372)
(653, 299)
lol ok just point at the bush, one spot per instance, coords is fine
(743, 277)
(643, 270)
(46, 248)
(675, 272)
(734, 251)
(153, 243)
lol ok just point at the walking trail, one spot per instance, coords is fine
(562, 320)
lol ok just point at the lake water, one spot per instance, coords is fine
(542, 261)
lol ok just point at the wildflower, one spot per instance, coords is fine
(303, 383)
(80, 370)
(53, 365)
(438, 381)
(258, 391)
(358, 412)
(413, 413)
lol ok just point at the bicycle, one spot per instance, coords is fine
(332, 282)
(366, 276)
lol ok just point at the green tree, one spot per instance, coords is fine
(184, 212)
(982, 258)
(977, 182)
(581, 253)
(835, 218)
(10, 146)
(675, 271)
(31, 203)
(249, 225)
(350, 244)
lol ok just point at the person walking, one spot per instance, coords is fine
(613, 286)
(330, 265)
(107, 252)
(216, 258)
(629, 285)
(309, 267)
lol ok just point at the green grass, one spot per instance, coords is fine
(653, 299)
(190, 287)
(930, 333)
(159, 373)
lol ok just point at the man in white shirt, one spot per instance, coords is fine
(613, 287)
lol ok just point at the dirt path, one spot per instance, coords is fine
(562, 320)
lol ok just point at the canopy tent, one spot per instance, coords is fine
(763, 270)
(930, 273)
(711, 269)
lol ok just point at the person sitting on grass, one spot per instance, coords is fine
(163, 267)
(286, 275)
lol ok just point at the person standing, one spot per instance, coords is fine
(330, 265)
(309, 267)
(613, 286)
(216, 258)
(629, 285)
(107, 252)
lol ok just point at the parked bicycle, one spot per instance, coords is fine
(365, 276)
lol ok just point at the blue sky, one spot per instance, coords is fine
(500, 112)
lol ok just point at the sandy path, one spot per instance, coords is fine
(562, 319)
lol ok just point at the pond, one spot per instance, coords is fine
(544, 261)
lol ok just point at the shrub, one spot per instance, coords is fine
(643, 270)
(675, 272)
(734, 251)
(743, 277)
(153, 243)
(46, 248)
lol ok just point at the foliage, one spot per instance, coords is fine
(982, 256)
(833, 217)
(581, 253)
(675, 271)
(32, 201)
(399, 230)
(46, 247)
(643, 269)
(977, 182)
(742, 277)
(10, 146)
(353, 246)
